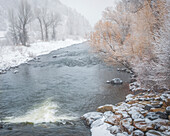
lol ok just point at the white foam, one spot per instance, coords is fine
(46, 112)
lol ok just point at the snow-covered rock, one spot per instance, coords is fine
(91, 117)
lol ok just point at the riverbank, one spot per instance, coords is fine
(144, 114)
(12, 56)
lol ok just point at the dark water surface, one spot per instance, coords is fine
(53, 93)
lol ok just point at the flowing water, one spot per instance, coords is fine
(48, 95)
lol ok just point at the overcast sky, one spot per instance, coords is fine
(91, 9)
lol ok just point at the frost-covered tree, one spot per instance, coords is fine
(18, 22)
(24, 16)
(136, 34)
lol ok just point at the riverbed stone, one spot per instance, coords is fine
(148, 107)
(168, 110)
(105, 108)
(115, 129)
(154, 133)
(91, 117)
(143, 125)
(141, 114)
(152, 116)
(157, 109)
(162, 115)
(137, 133)
(114, 120)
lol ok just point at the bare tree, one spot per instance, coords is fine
(55, 21)
(13, 28)
(47, 21)
(25, 16)
(39, 16)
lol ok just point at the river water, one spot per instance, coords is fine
(48, 96)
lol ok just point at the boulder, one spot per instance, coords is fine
(168, 110)
(157, 109)
(122, 134)
(114, 120)
(91, 117)
(137, 133)
(154, 133)
(148, 107)
(162, 115)
(152, 116)
(105, 108)
(15, 71)
(115, 129)
(143, 125)
(54, 56)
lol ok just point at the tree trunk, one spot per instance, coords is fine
(41, 28)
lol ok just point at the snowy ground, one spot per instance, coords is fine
(11, 56)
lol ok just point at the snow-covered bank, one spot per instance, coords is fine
(11, 56)
(146, 114)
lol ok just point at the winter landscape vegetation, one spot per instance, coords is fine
(62, 76)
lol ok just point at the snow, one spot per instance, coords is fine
(101, 130)
(11, 56)
(2, 34)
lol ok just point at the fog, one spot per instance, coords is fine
(91, 9)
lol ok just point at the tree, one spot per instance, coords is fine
(55, 21)
(25, 16)
(39, 16)
(19, 21)
(13, 27)
(133, 34)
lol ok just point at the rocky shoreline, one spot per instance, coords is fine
(144, 114)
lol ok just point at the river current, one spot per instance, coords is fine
(48, 95)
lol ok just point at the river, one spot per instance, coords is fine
(47, 96)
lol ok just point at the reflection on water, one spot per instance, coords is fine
(55, 89)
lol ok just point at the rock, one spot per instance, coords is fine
(123, 69)
(162, 115)
(108, 114)
(129, 96)
(91, 117)
(127, 125)
(168, 110)
(133, 80)
(116, 81)
(15, 71)
(97, 123)
(152, 116)
(163, 128)
(143, 125)
(132, 102)
(54, 56)
(137, 115)
(107, 107)
(124, 114)
(108, 82)
(157, 105)
(127, 121)
(9, 128)
(154, 133)
(114, 120)
(1, 126)
(137, 133)
(122, 134)
(157, 109)
(144, 112)
(115, 129)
